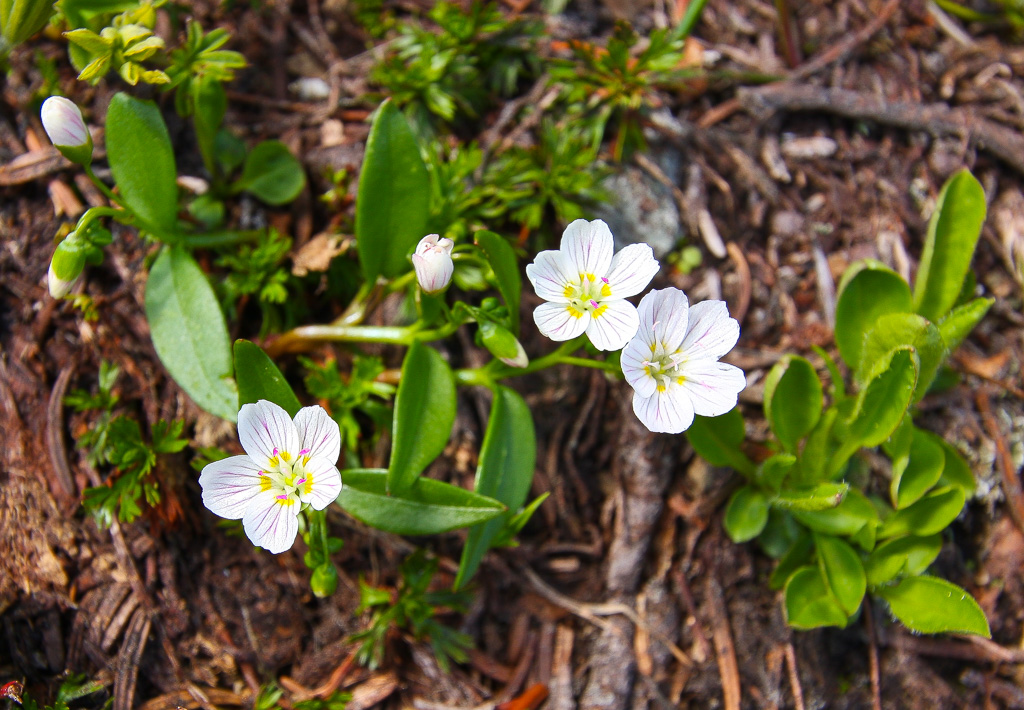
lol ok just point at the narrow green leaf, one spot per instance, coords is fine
(824, 496)
(427, 507)
(930, 515)
(952, 236)
(424, 414)
(956, 326)
(809, 603)
(918, 472)
(258, 378)
(845, 520)
(718, 440)
(930, 605)
(868, 290)
(508, 456)
(502, 259)
(272, 173)
(392, 205)
(955, 470)
(142, 162)
(841, 567)
(898, 330)
(189, 332)
(882, 404)
(746, 514)
(817, 449)
(798, 555)
(904, 556)
(792, 400)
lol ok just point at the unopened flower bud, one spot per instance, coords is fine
(433, 263)
(66, 266)
(324, 581)
(503, 345)
(67, 130)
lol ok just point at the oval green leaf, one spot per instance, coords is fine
(258, 378)
(809, 603)
(869, 289)
(718, 441)
(955, 471)
(953, 233)
(189, 332)
(746, 514)
(772, 472)
(930, 515)
(798, 555)
(898, 330)
(883, 402)
(428, 507)
(792, 400)
(903, 557)
(424, 414)
(847, 519)
(917, 473)
(508, 457)
(392, 205)
(272, 174)
(502, 258)
(142, 162)
(842, 569)
(930, 605)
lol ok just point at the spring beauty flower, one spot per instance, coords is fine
(63, 123)
(586, 286)
(433, 263)
(672, 363)
(287, 465)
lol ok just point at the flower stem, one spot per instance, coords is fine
(102, 187)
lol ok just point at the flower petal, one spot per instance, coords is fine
(228, 485)
(587, 247)
(711, 333)
(550, 275)
(668, 412)
(559, 321)
(323, 484)
(663, 318)
(266, 429)
(631, 270)
(319, 435)
(270, 522)
(632, 360)
(613, 324)
(712, 387)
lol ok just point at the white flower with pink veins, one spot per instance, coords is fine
(287, 465)
(586, 286)
(672, 363)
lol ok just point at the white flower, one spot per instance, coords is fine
(433, 263)
(63, 122)
(672, 363)
(586, 286)
(287, 465)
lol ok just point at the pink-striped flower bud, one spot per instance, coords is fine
(67, 130)
(433, 263)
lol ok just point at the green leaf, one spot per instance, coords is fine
(746, 514)
(955, 470)
(809, 603)
(272, 174)
(424, 414)
(953, 233)
(841, 567)
(847, 519)
(189, 332)
(142, 161)
(779, 533)
(868, 290)
(932, 514)
(718, 440)
(914, 475)
(955, 327)
(427, 507)
(882, 404)
(798, 555)
(773, 470)
(904, 556)
(898, 330)
(508, 456)
(930, 605)
(824, 496)
(392, 205)
(258, 378)
(817, 449)
(502, 259)
(792, 400)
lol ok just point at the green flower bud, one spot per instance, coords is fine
(66, 266)
(324, 581)
(503, 345)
